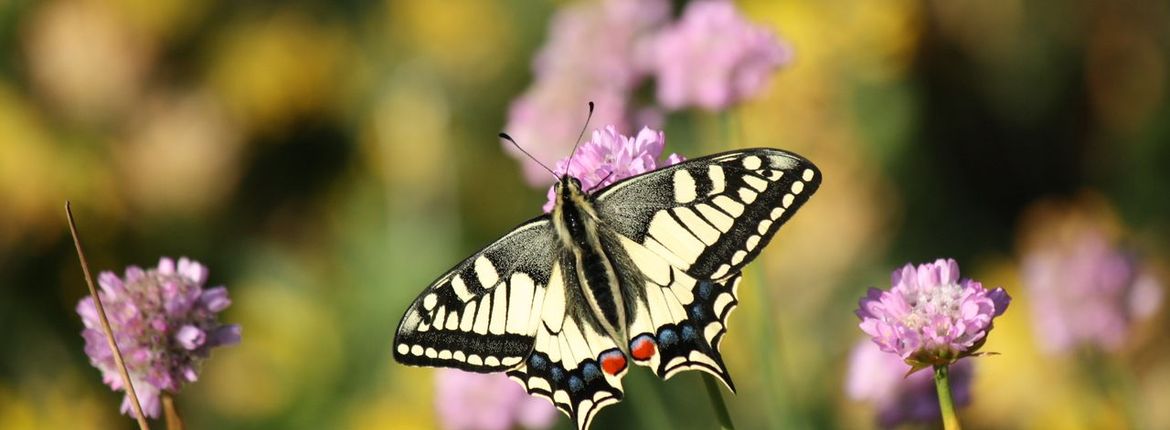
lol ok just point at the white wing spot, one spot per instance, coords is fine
(474, 360)
(452, 321)
(486, 271)
(808, 174)
(748, 196)
(416, 350)
(445, 354)
(797, 187)
(483, 317)
(458, 355)
(468, 317)
(788, 198)
(520, 304)
(776, 213)
(764, 226)
(728, 205)
(722, 270)
(511, 361)
(430, 301)
(715, 172)
(675, 237)
(684, 186)
(757, 183)
(751, 162)
(775, 175)
(499, 311)
(721, 303)
(752, 241)
(491, 361)
(432, 353)
(403, 349)
(460, 289)
(738, 257)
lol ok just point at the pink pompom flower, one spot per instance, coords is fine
(476, 401)
(609, 157)
(930, 317)
(165, 324)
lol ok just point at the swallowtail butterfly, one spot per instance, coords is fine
(644, 270)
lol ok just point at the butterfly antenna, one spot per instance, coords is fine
(506, 137)
(579, 136)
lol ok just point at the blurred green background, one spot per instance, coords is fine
(328, 159)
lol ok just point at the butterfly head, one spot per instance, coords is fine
(568, 186)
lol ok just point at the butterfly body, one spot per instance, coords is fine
(644, 270)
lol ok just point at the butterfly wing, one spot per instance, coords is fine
(687, 231)
(482, 315)
(572, 364)
(710, 216)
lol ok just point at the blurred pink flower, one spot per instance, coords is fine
(713, 57)
(880, 378)
(589, 56)
(1084, 290)
(165, 324)
(609, 157)
(930, 317)
(474, 401)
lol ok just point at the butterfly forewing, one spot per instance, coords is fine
(482, 315)
(710, 216)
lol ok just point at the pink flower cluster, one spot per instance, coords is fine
(603, 52)
(609, 157)
(475, 401)
(930, 317)
(165, 324)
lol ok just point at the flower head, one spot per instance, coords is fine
(1087, 291)
(165, 324)
(713, 57)
(474, 401)
(880, 378)
(930, 317)
(609, 157)
(589, 56)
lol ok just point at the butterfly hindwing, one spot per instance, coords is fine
(482, 315)
(710, 216)
(572, 364)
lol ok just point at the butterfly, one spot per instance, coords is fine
(644, 270)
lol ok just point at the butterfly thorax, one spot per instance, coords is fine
(576, 225)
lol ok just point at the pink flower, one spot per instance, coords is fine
(881, 378)
(165, 324)
(609, 157)
(930, 317)
(474, 401)
(1086, 291)
(589, 56)
(713, 57)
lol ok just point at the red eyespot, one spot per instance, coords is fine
(642, 348)
(613, 362)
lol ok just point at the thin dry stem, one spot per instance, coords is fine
(101, 311)
(172, 413)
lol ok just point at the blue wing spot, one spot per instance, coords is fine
(667, 337)
(558, 374)
(590, 371)
(705, 290)
(537, 362)
(697, 312)
(689, 333)
(576, 384)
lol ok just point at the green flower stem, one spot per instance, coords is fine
(717, 402)
(950, 419)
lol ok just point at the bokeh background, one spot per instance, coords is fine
(328, 159)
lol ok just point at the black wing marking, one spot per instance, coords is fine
(482, 315)
(572, 364)
(710, 216)
(678, 321)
